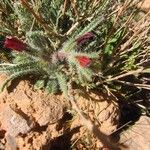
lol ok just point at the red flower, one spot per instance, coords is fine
(83, 61)
(14, 43)
(84, 38)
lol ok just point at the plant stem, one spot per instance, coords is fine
(125, 74)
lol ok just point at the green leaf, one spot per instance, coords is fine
(39, 84)
(37, 40)
(108, 49)
(24, 17)
(52, 86)
(62, 83)
(113, 40)
(136, 45)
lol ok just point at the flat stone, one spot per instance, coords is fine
(13, 123)
(137, 137)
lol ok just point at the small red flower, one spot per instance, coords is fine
(84, 38)
(14, 43)
(83, 61)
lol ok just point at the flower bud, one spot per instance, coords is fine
(83, 61)
(14, 43)
(84, 38)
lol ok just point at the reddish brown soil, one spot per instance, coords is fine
(34, 120)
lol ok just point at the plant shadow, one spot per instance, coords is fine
(62, 142)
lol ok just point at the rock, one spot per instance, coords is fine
(1, 146)
(14, 123)
(21, 109)
(44, 108)
(49, 109)
(144, 5)
(137, 137)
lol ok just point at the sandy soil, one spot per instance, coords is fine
(34, 120)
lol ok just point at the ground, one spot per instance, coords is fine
(32, 119)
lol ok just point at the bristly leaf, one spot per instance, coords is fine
(25, 18)
(52, 86)
(62, 81)
(91, 26)
(39, 84)
(16, 75)
(37, 40)
(14, 68)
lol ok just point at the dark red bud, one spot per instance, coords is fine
(84, 38)
(15, 44)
